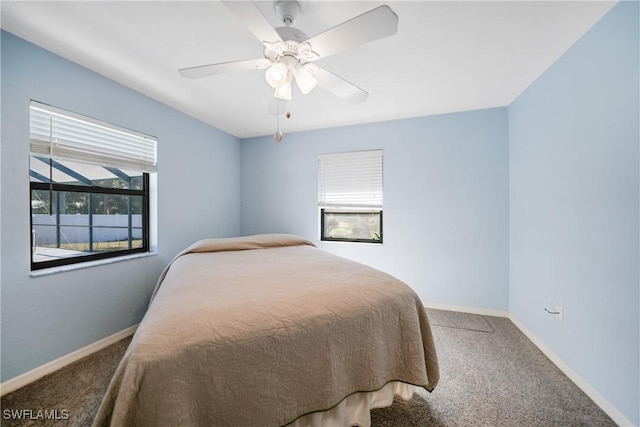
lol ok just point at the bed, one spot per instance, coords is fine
(269, 330)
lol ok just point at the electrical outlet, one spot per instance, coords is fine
(555, 310)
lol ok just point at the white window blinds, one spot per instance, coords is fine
(350, 179)
(68, 136)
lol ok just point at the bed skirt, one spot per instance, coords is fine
(354, 410)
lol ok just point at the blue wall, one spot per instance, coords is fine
(198, 195)
(445, 200)
(506, 209)
(574, 220)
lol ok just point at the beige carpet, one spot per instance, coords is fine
(491, 375)
(457, 320)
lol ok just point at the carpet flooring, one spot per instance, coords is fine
(490, 375)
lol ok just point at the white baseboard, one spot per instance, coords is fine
(465, 309)
(603, 403)
(59, 363)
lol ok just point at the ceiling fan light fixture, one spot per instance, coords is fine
(276, 75)
(284, 91)
(305, 80)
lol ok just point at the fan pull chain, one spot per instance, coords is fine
(278, 135)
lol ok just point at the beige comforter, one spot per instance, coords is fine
(257, 331)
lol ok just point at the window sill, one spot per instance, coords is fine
(89, 264)
(350, 242)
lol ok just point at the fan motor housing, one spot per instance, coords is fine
(287, 10)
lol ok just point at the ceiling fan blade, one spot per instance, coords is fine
(224, 67)
(252, 18)
(339, 86)
(373, 25)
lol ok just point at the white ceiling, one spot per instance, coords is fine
(447, 56)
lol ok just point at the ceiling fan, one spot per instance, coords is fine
(289, 54)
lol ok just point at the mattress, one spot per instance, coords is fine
(269, 330)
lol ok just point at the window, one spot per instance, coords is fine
(89, 185)
(350, 196)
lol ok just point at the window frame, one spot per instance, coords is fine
(351, 183)
(61, 138)
(90, 190)
(349, 212)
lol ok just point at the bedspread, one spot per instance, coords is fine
(260, 330)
